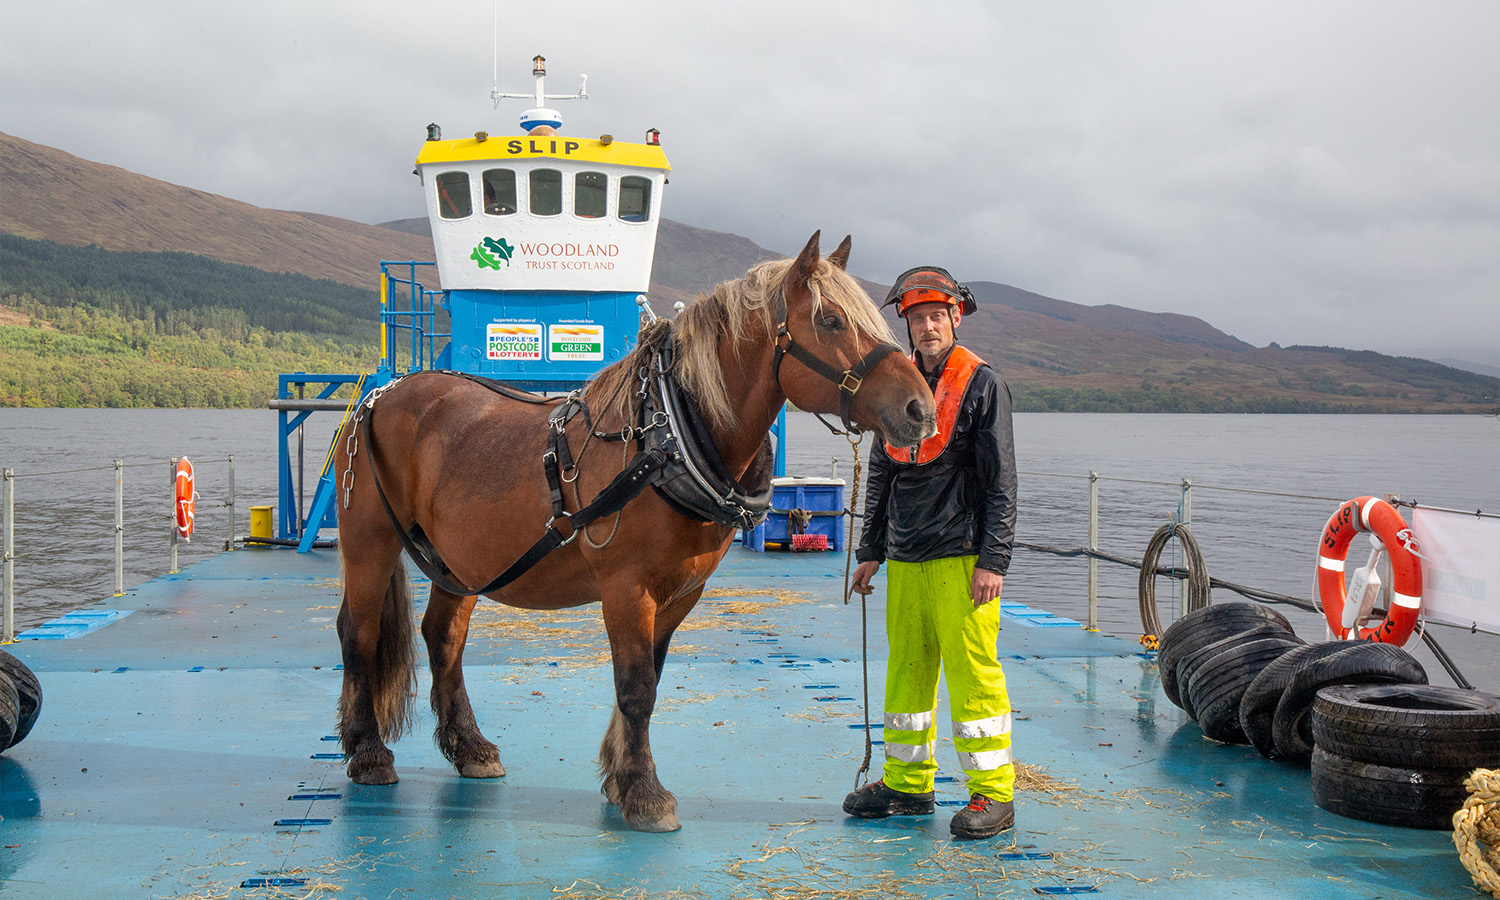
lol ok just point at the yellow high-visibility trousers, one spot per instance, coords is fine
(930, 621)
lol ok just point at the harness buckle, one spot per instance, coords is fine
(574, 532)
(848, 378)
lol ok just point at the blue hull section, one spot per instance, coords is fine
(520, 336)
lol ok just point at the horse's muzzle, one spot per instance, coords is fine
(911, 424)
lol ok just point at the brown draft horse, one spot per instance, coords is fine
(464, 464)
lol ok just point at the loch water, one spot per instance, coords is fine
(1262, 488)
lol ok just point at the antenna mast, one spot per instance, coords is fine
(540, 115)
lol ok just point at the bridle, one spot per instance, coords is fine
(848, 381)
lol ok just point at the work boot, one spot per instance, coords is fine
(983, 817)
(876, 801)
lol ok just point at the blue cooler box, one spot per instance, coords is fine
(822, 496)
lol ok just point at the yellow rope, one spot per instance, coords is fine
(1476, 830)
(359, 393)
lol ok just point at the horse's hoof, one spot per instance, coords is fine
(660, 825)
(482, 770)
(377, 775)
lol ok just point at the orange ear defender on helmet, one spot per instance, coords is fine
(929, 284)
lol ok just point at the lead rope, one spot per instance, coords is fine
(864, 624)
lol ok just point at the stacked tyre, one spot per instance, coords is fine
(1274, 711)
(1210, 657)
(20, 700)
(1399, 754)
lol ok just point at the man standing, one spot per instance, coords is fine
(943, 513)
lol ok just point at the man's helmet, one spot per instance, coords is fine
(929, 284)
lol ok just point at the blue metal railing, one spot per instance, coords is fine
(408, 320)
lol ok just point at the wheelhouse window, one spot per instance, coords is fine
(454, 199)
(499, 192)
(635, 198)
(546, 192)
(590, 200)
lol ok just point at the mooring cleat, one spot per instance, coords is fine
(876, 801)
(984, 817)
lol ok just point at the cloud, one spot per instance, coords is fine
(1305, 173)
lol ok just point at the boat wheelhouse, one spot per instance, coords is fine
(544, 244)
(543, 247)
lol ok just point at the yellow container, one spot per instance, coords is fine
(260, 521)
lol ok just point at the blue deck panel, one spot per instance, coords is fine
(173, 740)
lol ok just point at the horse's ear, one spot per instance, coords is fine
(807, 260)
(840, 257)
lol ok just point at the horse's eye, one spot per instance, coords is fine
(830, 323)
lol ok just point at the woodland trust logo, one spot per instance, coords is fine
(489, 253)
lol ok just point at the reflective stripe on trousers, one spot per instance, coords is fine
(931, 622)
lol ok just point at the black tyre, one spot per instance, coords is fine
(1205, 626)
(1189, 667)
(1363, 663)
(1220, 682)
(1390, 795)
(1420, 726)
(1258, 705)
(29, 692)
(10, 710)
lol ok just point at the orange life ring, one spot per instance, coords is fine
(186, 498)
(1377, 517)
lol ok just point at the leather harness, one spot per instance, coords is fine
(676, 455)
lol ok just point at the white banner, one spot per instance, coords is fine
(1460, 568)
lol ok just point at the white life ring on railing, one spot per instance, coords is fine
(1377, 517)
(186, 498)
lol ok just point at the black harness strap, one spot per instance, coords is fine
(848, 380)
(625, 487)
(504, 389)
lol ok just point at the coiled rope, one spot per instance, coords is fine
(1476, 830)
(1198, 583)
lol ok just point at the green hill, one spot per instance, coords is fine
(82, 326)
(172, 288)
(121, 290)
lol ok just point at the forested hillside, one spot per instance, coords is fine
(117, 289)
(82, 326)
(171, 289)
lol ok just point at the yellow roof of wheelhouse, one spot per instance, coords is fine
(593, 150)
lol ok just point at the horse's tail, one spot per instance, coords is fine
(393, 680)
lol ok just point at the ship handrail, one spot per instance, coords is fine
(1410, 504)
(116, 532)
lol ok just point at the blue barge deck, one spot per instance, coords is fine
(184, 751)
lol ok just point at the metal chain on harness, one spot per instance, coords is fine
(855, 440)
(351, 438)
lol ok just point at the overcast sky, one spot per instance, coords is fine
(1300, 172)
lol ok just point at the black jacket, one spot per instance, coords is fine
(961, 503)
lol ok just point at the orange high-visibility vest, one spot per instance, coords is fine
(949, 395)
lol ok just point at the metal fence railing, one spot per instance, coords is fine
(43, 546)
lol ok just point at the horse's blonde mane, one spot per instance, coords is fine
(729, 311)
